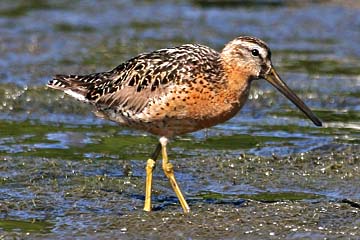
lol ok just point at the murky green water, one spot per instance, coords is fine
(267, 173)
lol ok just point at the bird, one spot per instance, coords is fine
(178, 90)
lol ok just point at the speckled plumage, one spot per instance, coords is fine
(175, 90)
(178, 90)
(158, 91)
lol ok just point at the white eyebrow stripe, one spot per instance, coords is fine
(250, 46)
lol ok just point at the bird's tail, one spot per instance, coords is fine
(70, 84)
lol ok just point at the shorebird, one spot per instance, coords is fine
(178, 90)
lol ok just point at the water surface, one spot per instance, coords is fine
(266, 172)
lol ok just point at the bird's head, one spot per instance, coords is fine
(251, 56)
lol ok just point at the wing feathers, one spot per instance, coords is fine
(132, 85)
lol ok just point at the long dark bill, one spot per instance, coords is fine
(273, 78)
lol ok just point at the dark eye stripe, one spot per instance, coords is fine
(255, 52)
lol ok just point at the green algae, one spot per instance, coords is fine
(33, 226)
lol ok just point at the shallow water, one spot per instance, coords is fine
(268, 172)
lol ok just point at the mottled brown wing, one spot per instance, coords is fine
(131, 85)
(134, 83)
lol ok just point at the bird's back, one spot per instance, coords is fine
(154, 90)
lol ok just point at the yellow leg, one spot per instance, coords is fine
(169, 172)
(150, 165)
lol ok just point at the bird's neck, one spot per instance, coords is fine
(238, 81)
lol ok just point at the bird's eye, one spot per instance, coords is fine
(255, 52)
